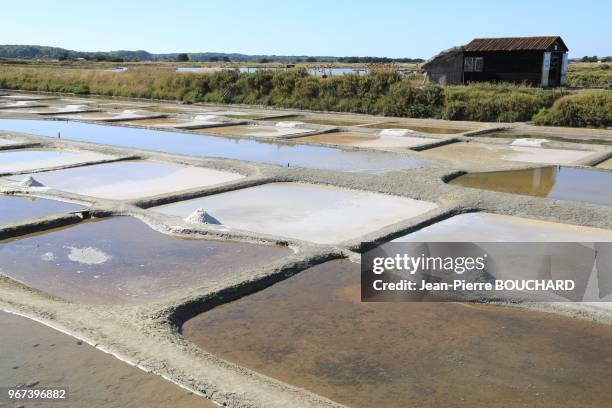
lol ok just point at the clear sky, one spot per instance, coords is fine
(392, 28)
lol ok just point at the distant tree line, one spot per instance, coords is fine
(37, 51)
(595, 58)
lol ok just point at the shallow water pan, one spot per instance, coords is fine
(555, 182)
(312, 331)
(123, 261)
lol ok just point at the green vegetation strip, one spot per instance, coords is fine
(381, 92)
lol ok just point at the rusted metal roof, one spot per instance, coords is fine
(514, 44)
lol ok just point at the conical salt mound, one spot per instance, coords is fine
(30, 182)
(199, 216)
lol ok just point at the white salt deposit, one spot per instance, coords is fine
(210, 118)
(395, 132)
(20, 104)
(129, 113)
(88, 255)
(232, 113)
(23, 97)
(48, 256)
(289, 124)
(529, 142)
(71, 108)
(7, 142)
(199, 216)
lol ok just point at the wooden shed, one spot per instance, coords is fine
(540, 61)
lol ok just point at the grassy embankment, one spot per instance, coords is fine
(380, 92)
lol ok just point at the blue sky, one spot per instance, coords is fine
(391, 28)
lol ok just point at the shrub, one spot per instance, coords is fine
(592, 109)
(403, 99)
(495, 102)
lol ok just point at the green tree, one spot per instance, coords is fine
(182, 57)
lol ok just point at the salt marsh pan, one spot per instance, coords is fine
(486, 227)
(131, 179)
(317, 213)
(24, 160)
(474, 154)
(560, 183)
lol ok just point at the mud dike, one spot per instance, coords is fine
(261, 307)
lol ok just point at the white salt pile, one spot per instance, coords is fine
(30, 182)
(133, 113)
(199, 216)
(289, 124)
(395, 132)
(68, 108)
(529, 142)
(210, 118)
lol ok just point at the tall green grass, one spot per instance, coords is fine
(590, 75)
(382, 92)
